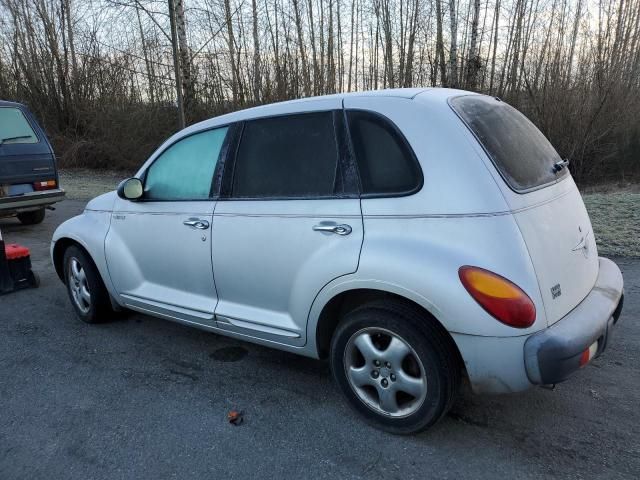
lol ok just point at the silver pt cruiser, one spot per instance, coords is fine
(413, 237)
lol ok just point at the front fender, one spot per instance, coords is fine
(88, 229)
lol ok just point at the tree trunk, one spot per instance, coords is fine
(473, 59)
(185, 61)
(440, 62)
(301, 47)
(453, 51)
(257, 74)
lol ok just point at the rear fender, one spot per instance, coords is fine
(419, 259)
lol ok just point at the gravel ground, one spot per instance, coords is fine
(146, 398)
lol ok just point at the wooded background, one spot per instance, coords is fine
(101, 74)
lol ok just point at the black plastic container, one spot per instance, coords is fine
(15, 268)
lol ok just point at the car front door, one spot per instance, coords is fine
(288, 222)
(158, 248)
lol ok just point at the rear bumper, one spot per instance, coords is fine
(553, 354)
(29, 201)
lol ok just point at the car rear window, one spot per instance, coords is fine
(14, 127)
(521, 153)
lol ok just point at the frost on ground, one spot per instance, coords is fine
(615, 215)
(84, 184)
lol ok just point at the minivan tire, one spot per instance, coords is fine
(429, 350)
(31, 218)
(98, 308)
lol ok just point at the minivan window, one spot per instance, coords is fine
(14, 127)
(386, 163)
(521, 153)
(184, 171)
(289, 156)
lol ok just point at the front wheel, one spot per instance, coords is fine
(85, 287)
(395, 366)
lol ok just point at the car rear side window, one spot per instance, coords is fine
(14, 127)
(386, 163)
(521, 153)
(291, 156)
(184, 171)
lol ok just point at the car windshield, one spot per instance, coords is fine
(521, 153)
(14, 127)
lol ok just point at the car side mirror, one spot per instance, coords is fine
(130, 189)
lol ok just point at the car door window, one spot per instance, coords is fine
(292, 156)
(184, 171)
(386, 163)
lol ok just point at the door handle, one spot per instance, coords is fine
(343, 229)
(196, 223)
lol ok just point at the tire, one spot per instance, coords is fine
(80, 274)
(31, 218)
(427, 365)
(34, 279)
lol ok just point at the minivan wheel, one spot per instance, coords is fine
(395, 366)
(86, 290)
(31, 218)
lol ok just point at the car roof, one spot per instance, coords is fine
(7, 103)
(434, 94)
(291, 106)
(269, 108)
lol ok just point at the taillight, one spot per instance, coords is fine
(502, 299)
(46, 185)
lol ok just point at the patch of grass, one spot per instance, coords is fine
(615, 217)
(85, 184)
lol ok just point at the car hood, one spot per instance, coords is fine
(102, 203)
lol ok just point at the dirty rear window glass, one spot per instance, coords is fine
(520, 152)
(14, 127)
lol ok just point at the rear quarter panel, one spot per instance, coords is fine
(414, 245)
(419, 259)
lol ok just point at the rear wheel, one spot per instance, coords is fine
(396, 367)
(86, 290)
(31, 218)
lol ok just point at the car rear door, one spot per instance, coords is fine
(158, 249)
(288, 223)
(26, 158)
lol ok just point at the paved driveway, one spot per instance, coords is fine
(146, 398)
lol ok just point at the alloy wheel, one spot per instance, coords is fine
(385, 372)
(79, 286)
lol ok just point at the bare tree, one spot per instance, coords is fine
(453, 51)
(105, 75)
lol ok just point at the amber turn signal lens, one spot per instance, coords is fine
(501, 298)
